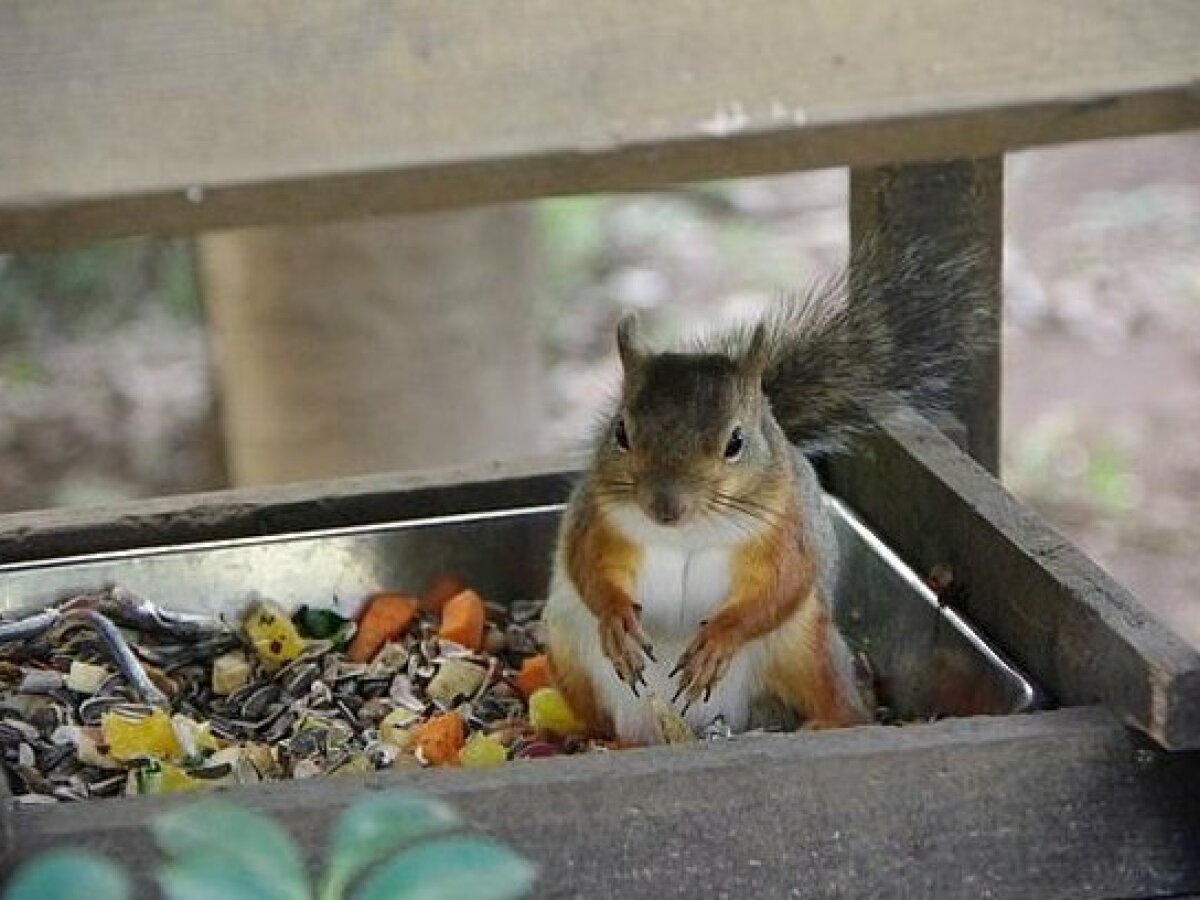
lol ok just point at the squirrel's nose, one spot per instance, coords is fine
(666, 507)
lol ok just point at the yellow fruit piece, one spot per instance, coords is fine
(398, 728)
(164, 778)
(272, 634)
(129, 737)
(482, 751)
(195, 738)
(548, 711)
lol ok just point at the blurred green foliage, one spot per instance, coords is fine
(94, 289)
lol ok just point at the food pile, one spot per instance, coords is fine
(108, 694)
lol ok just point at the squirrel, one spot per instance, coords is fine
(695, 558)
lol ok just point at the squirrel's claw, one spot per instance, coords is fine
(702, 665)
(625, 644)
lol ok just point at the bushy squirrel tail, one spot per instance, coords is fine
(870, 339)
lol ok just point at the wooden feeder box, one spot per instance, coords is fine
(1096, 796)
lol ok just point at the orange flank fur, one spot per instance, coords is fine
(773, 573)
(802, 672)
(575, 685)
(603, 565)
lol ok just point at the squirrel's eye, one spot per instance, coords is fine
(735, 444)
(621, 436)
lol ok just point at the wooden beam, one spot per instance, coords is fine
(135, 116)
(306, 506)
(1072, 628)
(953, 211)
(1059, 804)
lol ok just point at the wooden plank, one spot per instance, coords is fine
(953, 211)
(1071, 627)
(249, 512)
(132, 116)
(1060, 804)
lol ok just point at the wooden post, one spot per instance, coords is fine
(381, 344)
(951, 207)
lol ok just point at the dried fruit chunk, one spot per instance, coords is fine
(195, 738)
(85, 678)
(272, 634)
(534, 674)
(132, 736)
(482, 751)
(385, 618)
(397, 728)
(164, 778)
(439, 740)
(455, 678)
(548, 711)
(462, 620)
(441, 589)
(230, 671)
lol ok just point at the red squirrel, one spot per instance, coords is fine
(695, 559)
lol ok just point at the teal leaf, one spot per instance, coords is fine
(457, 868)
(211, 878)
(215, 835)
(69, 875)
(378, 826)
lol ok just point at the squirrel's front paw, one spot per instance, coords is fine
(626, 645)
(704, 662)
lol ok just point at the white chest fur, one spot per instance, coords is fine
(685, 573)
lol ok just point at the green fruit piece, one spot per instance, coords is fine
(548, 711)
(318, 623)
(482, 751)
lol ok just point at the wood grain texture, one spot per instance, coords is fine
(132, 116)
(273, 510)
(1060, 804)
(1075, 630)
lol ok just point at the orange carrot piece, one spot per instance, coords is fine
(462, 620)
(534, 674)
(440, 739)
(383, 619)
(441, 589)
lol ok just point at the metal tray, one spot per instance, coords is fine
(928, 662)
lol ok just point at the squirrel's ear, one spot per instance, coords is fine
(754, 360)
(628, 344)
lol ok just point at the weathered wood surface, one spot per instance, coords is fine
(133, 116)
(1060, 804)
(1071, 627)
(272, 510)
(954, 211)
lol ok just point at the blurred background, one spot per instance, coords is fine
(125, 371)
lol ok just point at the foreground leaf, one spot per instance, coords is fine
(209, 878)
(69, 875)
(376, 827)
(214, 835)
(459, 868)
